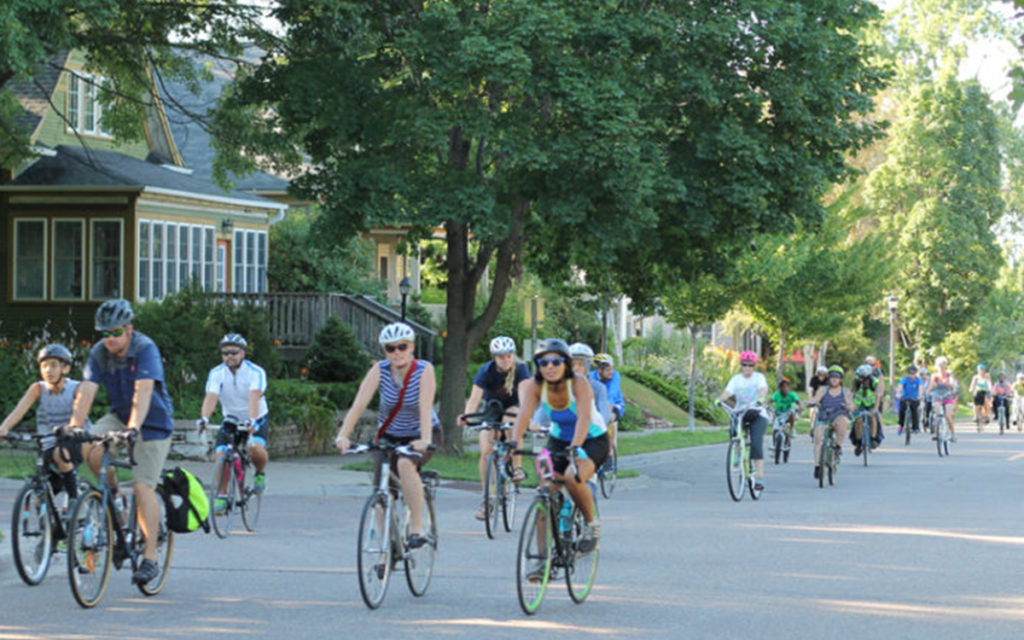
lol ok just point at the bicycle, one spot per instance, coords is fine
(549, 540)
(608, 473)
(385, 525)
(37, 525)
(939, 426)
(231, 475)
(782, 436)
(97, 538)
(828, 455)
(500, 491)
(739, 467)
(1001, 414)
(863, 417)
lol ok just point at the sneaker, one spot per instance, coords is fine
(146, 572)
(953, 439)
(536, 570)
(857, 450)
(759, 485)
(415, 541)
(589, 538)
(817, 471)
(220, 505)
(259, 483)
(875, 443)
(838, 450)
(482, 512)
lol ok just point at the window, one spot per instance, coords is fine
(261, 265)
(74, 109)
(250, 261)
(84, 112)
(384, 268)
(29, 259)
(222, 266)
(208, 247)
(144, 245)
(250, 266)
(106, 259)
(196, 269)
(239, 284)
(173, 256)
(68, 259)
(183, 256)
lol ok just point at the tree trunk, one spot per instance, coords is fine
(823, 353)
(782, 354)
(693, 372)
(810, 368)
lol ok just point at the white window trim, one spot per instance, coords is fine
(53, 258)
(92, 255)
(193, 253)
(88, 82)
(14, 256)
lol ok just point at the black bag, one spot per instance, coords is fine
(185, 500)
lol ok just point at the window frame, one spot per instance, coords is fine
(44, 259)
(89, 85)
(82, 260)
(92, 258)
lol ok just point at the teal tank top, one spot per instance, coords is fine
(563, 421)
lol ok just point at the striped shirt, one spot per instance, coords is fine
(55, 409)
(407, 421)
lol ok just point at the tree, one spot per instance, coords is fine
(136, 45)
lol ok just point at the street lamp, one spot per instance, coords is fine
(405, 288)
(893, 304)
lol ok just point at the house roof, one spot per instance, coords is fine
(35, 94)
(78, 167)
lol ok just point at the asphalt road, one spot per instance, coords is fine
(911, 547)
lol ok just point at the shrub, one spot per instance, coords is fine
(336, 355)
(703, 404)
(306, 404)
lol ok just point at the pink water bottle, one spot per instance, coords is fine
(239, 472)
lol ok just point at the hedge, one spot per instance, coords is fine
(703, 407)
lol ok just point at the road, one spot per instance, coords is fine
(911, 547)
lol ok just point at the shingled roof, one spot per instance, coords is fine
(35, 94)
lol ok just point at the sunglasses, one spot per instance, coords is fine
(391, 348)
(112, 333)
(231, 352)
(550, 362)
(746, 364)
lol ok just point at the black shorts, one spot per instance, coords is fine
(979, 398)
(596, 449)
(436, 438)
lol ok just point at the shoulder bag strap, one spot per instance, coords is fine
(398, 405)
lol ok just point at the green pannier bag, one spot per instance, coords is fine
(185, 500)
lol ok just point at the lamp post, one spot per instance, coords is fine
(893, 304)
(405, 288)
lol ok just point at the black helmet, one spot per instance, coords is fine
(57, 351)
(234, 339)
(551, 345)
(113, 314)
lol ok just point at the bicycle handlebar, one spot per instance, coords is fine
(401, 449)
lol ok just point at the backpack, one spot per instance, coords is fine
(185, 500)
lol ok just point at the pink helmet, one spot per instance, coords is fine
(748, 356)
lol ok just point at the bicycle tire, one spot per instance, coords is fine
(609, 476)
(907, 429)
(32, 532)
(492, 495)
(251, 503)
(755, 494)
(778, 439)
(823, 461)
(164, 549)
(508, 501)
(419, 563)
(865, 438)
(581, 568)
(1001, 416)
(223, 472)
(734, 474)
(373, 555)
(90, 548)
(536, 544)
(945, 445)
(788, 444)
(940, 432)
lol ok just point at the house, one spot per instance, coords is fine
(92, 217)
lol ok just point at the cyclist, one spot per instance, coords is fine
(55, 393)
(1002, 393)
(577, 427)
(981, 385)
(1018, 400)
(818, 380)
(750, 388)
(129, 366)
(922, 375)
(612, 381)
(241, 386)
(835, 404)
(497, 380)
(582, 361)
(407, 387)
(783, 400)
(909, 393)
(943, 388)
(876, 373)
(865, 397)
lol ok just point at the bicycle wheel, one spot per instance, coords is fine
(374, 552)
(508, 499)
(419, 563)
(492, 489)
(609, 473)
(581, 567)
(32, 533)
(940, 434)
(755, 493)
(1001, 416)
(833, 461)
(90, 546)
(777, 440)
(865, 439)
(223, 475)
(533, 562)
(787, 444)
(251, 502)
(164, 549)
(945, 443)
(907, 428)
(734, 469)
(824, 460)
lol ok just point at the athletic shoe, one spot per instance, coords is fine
(817, 471)
(146, 572)
(220, 506)
(259, 483)
(415, 541)
(589, 538)
(536, 571)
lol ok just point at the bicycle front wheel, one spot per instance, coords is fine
(419, 563)
(222, 504)
(940, 436)
(610, 473)
(777, 439)
(32, 533)
(865, 439)
(90, 547)
(492, 482)
(251, 502)
(582, 567)
(734, 469)
(508, 500)
(824, 462)
(533, 563)
(374, 552)
(164, 549)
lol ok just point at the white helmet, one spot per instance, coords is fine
(863, 371)
(822, 369)
(395, 332)
(580, 350)
(502, 344)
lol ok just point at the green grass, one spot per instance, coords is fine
(656, 403)
(19, 465)
(674, 439)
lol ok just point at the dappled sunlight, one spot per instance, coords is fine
(895, 531)
(1004, 612)
(525, 624)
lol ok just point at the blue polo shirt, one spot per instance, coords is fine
(614, 388)
(141, 362)
(911, 387)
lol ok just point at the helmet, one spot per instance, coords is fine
(502, 344)
(835, 370)
(1020, 375)
(551, 345)
(114, 313)
(395, 332)
(783, 380)
(57, 351)
(604, 358)
(981, 367)
(863, 371)
(580, 350)
(748, 356)
(912, 369)
(822, 369)
(234, 339)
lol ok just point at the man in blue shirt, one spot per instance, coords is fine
(909, 394)
(612, 381)
(128, 365)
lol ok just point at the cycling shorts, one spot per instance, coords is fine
(437, 438)
(979, 398)
(595, 448)
(259, 435)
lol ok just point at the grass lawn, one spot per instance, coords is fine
(656, 403)
(20, 464)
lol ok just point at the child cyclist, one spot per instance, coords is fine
(784, 401)
(55, 393)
